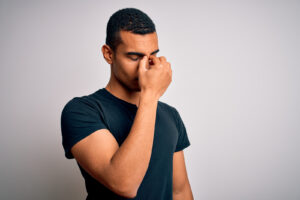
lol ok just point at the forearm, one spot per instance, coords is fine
(130, 163)
(185, 193)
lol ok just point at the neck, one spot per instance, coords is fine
(122, 92)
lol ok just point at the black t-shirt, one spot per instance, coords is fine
(84, 115)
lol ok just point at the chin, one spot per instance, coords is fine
(137, 89)
(134, 87)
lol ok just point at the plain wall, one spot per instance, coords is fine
(235, 83)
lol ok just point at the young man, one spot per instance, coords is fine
(127, 143)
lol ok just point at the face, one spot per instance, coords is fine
(125, 60)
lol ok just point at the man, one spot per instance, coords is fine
(127, 143)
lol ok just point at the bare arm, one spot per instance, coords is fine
(181, 185)
(123, 168)
(130, 163)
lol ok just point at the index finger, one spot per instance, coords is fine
(154, 59)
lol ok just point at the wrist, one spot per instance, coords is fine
(147, 97)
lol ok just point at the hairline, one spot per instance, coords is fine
(119, 39)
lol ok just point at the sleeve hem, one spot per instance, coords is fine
(68, 153)
(180, 148)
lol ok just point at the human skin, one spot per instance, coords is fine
(124, 80)
(140, 80)
(122, 168)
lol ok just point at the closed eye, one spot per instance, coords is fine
(140, 56)
(134, 59)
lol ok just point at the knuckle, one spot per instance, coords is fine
(169, 67)
(162, 59)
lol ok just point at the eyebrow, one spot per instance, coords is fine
(141, 54)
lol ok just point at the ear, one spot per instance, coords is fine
(107, 53)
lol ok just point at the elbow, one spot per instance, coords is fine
(127, 194)
(121, 185)
(125, 189)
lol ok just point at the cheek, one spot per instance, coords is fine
(127, 69)
(130, 66)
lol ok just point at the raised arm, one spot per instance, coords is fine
(122, 169)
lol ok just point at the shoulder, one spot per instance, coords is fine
(172, 111)
(167, 108)
(81, 103)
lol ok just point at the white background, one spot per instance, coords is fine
(235, 84)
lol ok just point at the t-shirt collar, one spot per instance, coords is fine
(114, 98)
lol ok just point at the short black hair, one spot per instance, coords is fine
(127, 19)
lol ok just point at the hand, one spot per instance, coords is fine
(154, 77)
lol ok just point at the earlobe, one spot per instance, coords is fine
(107, 53)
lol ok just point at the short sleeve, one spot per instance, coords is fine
(183, 140)
(79, 118)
